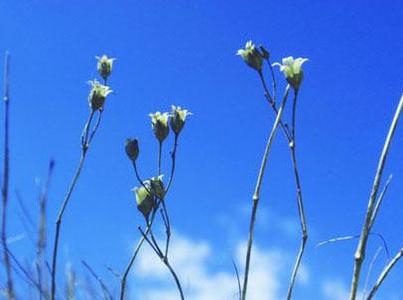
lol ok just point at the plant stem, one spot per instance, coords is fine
(256, 194)
(159, 158)
(360, 252)
(300, 203)
(86, 139)
(385, 273)
(6, 177)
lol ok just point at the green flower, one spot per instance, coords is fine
(104, 65)
(159, 123)
(251, 56)
(178, 118)
(292, 69)
(97, 95)
(132, 149)
(145, 201)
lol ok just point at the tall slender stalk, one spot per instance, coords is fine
(300, 203)
(6, 177)
(86, 139)
(368, 222)
(256, 194)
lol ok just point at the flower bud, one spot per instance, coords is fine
(265, 53)
(292, 69)
(157, 187)
(145, 201)
(132, 149)
(251, 56)
(178, 118)
(97, 95)
(104, 66)
(159, 123)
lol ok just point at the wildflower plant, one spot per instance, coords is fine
(255, 57)
(151, 194)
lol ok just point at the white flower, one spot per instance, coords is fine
(178, 118)
(104, 65)
(292, 69)
(251, 56)
(98, 94)
(159, 123)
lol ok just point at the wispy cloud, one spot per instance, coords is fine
(194, 262)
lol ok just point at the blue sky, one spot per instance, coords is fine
(183, 52)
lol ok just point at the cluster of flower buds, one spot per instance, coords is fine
(292, 68)
(99, 92)
(159, 122)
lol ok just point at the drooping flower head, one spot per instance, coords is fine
(145, 201)
(104, 65)
(251, 56)
(178, 118)
(157, 187)
(292, 69)
(97, 95)
(159, 123)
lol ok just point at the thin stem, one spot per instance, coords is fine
(42, 238)
(301, 213)
(272, 103)
(105, 290)
(6, 177)
(237, 279)
(379, 201)
(385, 273)
(85, 143)
(371, 266)
(256, 194)
(159, 158)
(360, 252)
(178, 284)
(273, 78)
(173, 158)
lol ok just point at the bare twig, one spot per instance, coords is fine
(256, 194)
(360, 252)
(385, 273)
(371, 266)
(6, 177)
(237, 279)
(379, 201)
(105, 290)
(86, 139)
(42, 238)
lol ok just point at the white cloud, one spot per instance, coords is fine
(193, 261)
(335, 289)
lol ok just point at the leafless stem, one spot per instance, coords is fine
(6, 177)
(86, 139)
(371, 266)
(173, 158)
(105, 290)
(256, 194)
(360, 252)
(379, 201)
(300, 202)
(385, 273)
(42, 238)
(237, 279)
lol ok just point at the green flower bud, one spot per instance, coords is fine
(104, 66)
(157, 187)
(292, 69)
(145, 201)
(159, 124)
(265, 53)
(178, 118)
(251, 56)
(97, 95)
(132, 149)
